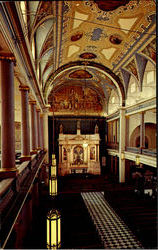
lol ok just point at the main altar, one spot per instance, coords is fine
(78, 153)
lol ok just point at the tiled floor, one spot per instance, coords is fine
(112, 230)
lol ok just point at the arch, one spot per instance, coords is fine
(115, 79)
(150, 136)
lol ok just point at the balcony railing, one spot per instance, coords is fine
(144, 151)
(133, 150)
(150, 152)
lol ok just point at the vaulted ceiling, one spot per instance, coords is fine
(88, 43)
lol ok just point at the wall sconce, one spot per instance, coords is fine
(53, 229)
(53, 186)
(137, 160)
(122, 156)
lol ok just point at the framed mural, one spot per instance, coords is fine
(92, 153)
(78, 156)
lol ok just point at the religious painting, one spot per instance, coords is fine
(64, 154)
(76, 99)
(76, 36)
(88, 55)
(110, 5)
(92, 153)
(132, 68)
(78, 155)
(80, 74)
(115, 39)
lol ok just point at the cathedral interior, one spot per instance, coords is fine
(78, 129)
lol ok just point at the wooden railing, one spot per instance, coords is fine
(14, 191)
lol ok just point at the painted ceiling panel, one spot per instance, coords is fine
(42, 33)
(45, 59)
(33, 5)
(46, 74)
(94, 31)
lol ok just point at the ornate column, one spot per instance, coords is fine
(142, 131)
(127, 131)
(33, 127)
(38, 129)
(42, 132)
(122, 146)
(45, 129)
(8, 168)
(25, 151)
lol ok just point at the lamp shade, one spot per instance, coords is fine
(53, 186)
(53, 229)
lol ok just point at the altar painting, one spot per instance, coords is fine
(77, 99)
(92, 153)
(78, 156)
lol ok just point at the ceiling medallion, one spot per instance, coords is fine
(76, 37)
(88, 55)
(110, 5)
(115, 39)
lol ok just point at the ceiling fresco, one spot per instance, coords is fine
(65, 34)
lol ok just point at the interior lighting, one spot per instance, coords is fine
(53, 229)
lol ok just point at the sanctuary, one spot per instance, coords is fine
(79, 153)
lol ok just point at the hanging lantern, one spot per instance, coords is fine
(53, 171)
(53, 186)
(53, 229)
(53, 161)
(137, 160)
(53, 156)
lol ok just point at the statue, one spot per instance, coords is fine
(78, 124)
(96, 129)
(61, 129)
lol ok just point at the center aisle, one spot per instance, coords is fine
(78, 230)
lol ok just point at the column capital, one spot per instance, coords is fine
(7, 57)
(38, 110)
(24, 88)
(32, 102)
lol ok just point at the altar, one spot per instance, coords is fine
(79, 153)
